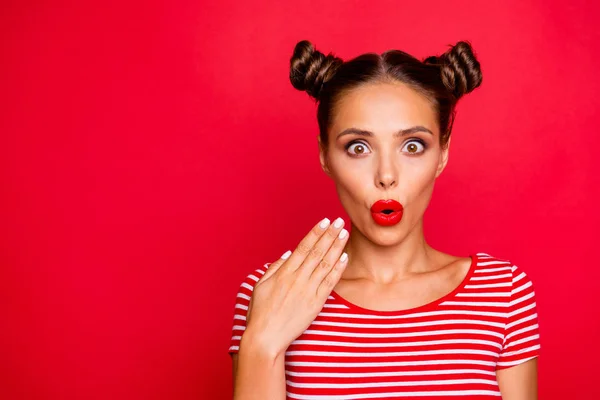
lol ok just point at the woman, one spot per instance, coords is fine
(379, 313)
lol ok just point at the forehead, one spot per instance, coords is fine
(383, 108)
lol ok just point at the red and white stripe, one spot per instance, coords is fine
(446, 349)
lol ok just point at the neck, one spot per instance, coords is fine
(383, 264)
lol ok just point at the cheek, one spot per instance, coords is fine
(416, 190)
(353, 183)
(417, 181)
(352, 173)
(415, 177)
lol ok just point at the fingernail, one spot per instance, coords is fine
(338, 222)
(344, 257)
(343, 233)
(324, 223)
(286, 255)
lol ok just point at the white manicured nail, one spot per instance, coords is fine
(343, 233)
(286, 255)
(344, 257)
(324, 223)
(338, 222)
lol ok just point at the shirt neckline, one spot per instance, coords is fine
(423, 307)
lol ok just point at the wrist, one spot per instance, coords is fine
(260, 345)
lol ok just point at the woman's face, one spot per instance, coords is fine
(381, 163)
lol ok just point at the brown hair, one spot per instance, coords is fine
(442, 79)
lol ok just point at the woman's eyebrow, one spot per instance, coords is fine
(401, 132)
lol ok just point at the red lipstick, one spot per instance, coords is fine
(387, 212)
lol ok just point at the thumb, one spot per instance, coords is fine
(274, 266)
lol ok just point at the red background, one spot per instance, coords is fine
(153, 153)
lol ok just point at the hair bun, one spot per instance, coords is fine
(310, 69)
(460, 70)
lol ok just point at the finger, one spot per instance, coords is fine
(327, 263)
(305, 246)
(332, 278)
(274, 266)
(319, 251)
(271, 269)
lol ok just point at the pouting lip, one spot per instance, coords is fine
(388, 204)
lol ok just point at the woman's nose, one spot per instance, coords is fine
(387, 182)
(387, 174)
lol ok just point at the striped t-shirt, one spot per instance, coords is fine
(446, 349)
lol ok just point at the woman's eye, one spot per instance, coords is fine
(413, 147)
(359, 148)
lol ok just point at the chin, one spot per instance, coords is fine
(383, 235)
(388, 238)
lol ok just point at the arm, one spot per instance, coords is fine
(519, 382)
(257, 374)
(516, 371)
(282, 303)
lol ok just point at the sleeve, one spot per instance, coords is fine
(241, 307)
(521, 337)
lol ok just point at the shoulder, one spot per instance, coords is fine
(252, 277)
(500, 268)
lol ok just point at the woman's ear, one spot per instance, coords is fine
(323, 157)
(443, 158)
